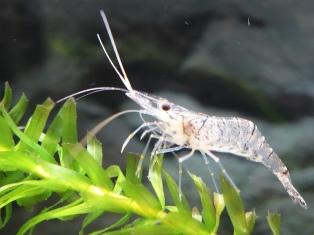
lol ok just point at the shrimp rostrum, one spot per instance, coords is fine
(176, 128)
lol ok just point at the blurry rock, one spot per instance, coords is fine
(293, 217)
(152, 12)
(254, 55)
(57, 78)
(21, 43)
(274, 56)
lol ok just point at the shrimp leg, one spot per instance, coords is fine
(156, 147)
(187, 156)
(140, 162)
(210, 172)
(172, 149)
(223, 170)
(127, 140)
(181, 160)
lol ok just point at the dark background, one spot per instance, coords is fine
(253, 59)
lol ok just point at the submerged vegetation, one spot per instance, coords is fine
(45, 159)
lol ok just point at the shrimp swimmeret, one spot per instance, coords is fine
(176, 128)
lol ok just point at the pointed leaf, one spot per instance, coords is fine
(181, 203)
(6, 136)
(188, 225)
(219, 204)
(26, 140)
(122, 221)
(7, 96)
(94, 147)
(156, 180)
(149, 205)
(73, 209)
(69, 118)
(115, 171)
(273, 220)
(36, 124)
(152, 229)
(131, 166)
(19, 193)
(91, 217)
(52, 136)
(250, 220)
(95, 172)
(11, 177)
(18, 111)
(30, 201)
(208, 209)
(7, 215)
(234, 207)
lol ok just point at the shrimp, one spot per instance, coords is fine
(175, 128)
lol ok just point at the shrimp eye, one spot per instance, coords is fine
(165, 107)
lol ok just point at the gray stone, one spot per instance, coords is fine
(274, 54)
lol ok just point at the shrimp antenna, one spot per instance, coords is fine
(106, 121)
(123, 78)
(89, 91)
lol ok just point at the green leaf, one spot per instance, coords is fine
(42, 164)
(273, 220)
(92, 168)
(134, 189)
(19, 193)
(219, 204)
(115, 171)
(181, 203)
(149, 205)
(131, 166)
(69, 118)
(11, 177)
(94, 148)
(7, 96)
(234, 207)
(28, 192)
(28, 202)
(91, 217)
(6, 137)
(250, 220)
(18, 111)
(36, 124)
(184, 223)
(7, 215)
(145, 227)
(52, 138)
(25, 139)
(156, 180)
(65, 197)
(73, 209)
(122, 221)
(208, 209)
(41, 168)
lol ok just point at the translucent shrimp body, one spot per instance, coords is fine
(176, 127)
(207, 134)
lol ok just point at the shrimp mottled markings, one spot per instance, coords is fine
(176, 127)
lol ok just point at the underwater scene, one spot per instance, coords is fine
(156, 117)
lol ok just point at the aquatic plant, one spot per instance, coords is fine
(45, 159)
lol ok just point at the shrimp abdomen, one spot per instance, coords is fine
(241, 137)
(262, 152)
